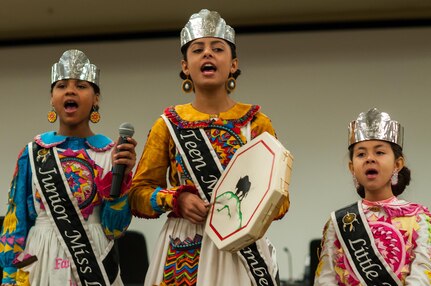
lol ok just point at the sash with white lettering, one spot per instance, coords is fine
(64, 214)
(205, 169)
(198, 156)
(256, 266)
(357, 240)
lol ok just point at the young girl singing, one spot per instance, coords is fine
(381, 239)
(167, 180)
(61, 221)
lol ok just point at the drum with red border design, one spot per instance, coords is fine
(249, 193)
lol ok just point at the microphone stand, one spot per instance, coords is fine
(289, 263)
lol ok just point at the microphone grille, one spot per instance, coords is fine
(126, 129)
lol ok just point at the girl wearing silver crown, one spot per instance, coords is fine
(183, 255)
(381, 239)
(61, 222)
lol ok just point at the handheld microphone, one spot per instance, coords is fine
(125, 130)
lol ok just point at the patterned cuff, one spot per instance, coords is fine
(181, 189)
(153, 201)
(9, 275)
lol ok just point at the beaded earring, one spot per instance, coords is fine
(230, 84)
(95, 115)
(355, 182)
(394, 178)
(187, 85)
(52, 115)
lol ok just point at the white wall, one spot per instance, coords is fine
(311, 84)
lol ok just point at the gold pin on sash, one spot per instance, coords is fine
(42, 155)
(348, 220)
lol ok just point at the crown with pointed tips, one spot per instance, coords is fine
(206, 24)
(375, 125)
(74, 64)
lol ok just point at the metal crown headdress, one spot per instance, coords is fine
(206, 24)
(74, 64)
(375, 125)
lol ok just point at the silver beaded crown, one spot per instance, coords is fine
(375, 125)
(74, 64)
(206, 24)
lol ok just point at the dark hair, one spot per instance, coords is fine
(403, 175)
(234, 56)
(95, 87)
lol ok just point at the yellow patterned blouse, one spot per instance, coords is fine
(159, 173)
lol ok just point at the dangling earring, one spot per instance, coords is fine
(230, 84)
(355, 182)
(95, 115)
(394, 178)
(187, 85)
(52, 115)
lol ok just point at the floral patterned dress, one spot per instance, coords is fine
(161, 176)
(402, 233)
(27, 230)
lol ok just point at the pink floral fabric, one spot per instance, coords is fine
(402, 235)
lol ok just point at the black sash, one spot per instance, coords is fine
(199, 157)
(256, 266)
(68, 222)
(358, 243)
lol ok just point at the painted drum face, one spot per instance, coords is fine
(249, 193)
